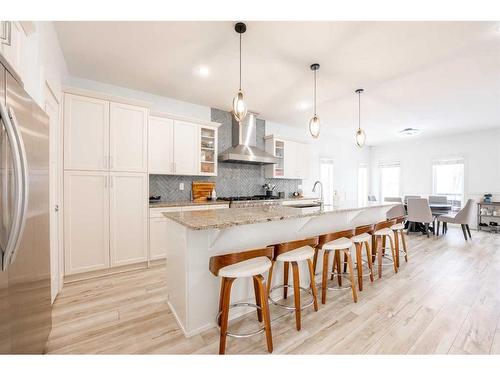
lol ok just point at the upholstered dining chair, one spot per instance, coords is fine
(419, 212)
(410, 197)
(393, 199)
(463, 217)
(397, 211)
(438, 199)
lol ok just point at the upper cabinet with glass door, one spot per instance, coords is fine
(208, 151)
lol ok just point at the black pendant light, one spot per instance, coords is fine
(239, 106)
(360, 133)
(314, 123)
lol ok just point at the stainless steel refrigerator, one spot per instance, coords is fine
(25, 304)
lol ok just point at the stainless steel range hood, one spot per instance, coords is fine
(245, 150)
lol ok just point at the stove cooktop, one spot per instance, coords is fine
(248, 198)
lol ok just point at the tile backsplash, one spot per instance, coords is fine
(232, 179)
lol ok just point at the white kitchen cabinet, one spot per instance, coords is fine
(293, 158)
(86, 221)
(179, 147)
(161, 145)
(186, 154)
(128, 217)
(12, 41)
(86, 133)
(128, 138)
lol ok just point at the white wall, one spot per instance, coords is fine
(346, 158)
(480, 149)
(43, 61)
(158, 103)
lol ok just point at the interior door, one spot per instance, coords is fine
(186, 152)
(128, 138)
(86, 133)
(86, 221)
(161, 142)
(128, 217)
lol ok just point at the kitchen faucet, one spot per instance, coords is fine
(314, 190)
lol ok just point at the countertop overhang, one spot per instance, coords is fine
(225, 218)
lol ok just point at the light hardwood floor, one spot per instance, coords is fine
(445, 300)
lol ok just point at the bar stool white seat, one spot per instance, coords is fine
(360, 238)
(229, 267)
(398, 226)
(381, 233)
(247, 268)
(293, 253)
(297, 255)
(338, 243)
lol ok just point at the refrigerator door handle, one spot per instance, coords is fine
(17, 174)
(24, 187)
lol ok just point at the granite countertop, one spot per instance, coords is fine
(185, 203)
(224, 218)
(160, 204)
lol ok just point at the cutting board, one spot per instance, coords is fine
(202, 190)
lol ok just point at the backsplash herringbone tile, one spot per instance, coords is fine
(232, 179)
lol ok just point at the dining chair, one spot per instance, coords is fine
(438, 199)
(410, 197)
(463, 217)
(419, 212)
(396, 212)
(393, 199)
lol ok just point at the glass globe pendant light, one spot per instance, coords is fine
(360, 133)
(239, 106)
(314, 123)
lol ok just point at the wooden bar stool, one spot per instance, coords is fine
(381, 232)
(399, 232)
(229, 267)
(362, 235)
(340, 243)
(292, 253)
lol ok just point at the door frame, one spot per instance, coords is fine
(57, 138)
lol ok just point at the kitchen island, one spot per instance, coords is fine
(195, 236)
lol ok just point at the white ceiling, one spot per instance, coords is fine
(441, 77)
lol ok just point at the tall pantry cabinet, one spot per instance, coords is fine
(105, 183)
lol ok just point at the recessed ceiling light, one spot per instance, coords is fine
(203, 71)
(409, 132)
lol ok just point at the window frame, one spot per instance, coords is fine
(389, 164)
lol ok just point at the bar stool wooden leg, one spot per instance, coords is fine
(351, 274)
(324, 276)
(334, 265)
(359, 265)
(393, 250)
(369, 259)
(378, 242)
(296, 294)
(339, 267)
(259, 280)
(270, 277)
(315, 258)
(396, 242)
(285, 280)
(228, 282)
(258, 298)
(313, 284)
(221, 299)
(403, 240)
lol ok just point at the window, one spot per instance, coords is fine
(389, 180)
(448, 179)
(362, 184)
(326, 178)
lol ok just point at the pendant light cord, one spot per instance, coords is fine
(359, 110)
(240, 61)
(315, 93)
